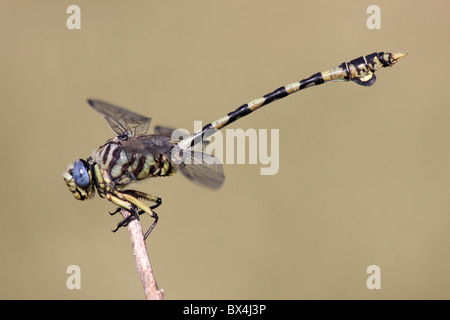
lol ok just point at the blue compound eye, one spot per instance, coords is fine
(80, 174)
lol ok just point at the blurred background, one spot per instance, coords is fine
(364, 173)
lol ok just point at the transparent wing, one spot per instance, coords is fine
(168, 132)
(152, 144)
(122, 121)
(203, 169)
(164, 131)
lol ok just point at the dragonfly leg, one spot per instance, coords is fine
(125, 221)
(117, 211)
(154, 216)
(129, 200)
(148, 197)
(125, 205)
(145, 196)
(158, 203)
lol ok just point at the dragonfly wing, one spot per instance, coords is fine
(153, 145)
(164, 131)
(178, 136)
(122, 121)
(203, 169)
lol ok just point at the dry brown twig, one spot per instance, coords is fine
(142, 260)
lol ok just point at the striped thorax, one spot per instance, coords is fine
(121, 163)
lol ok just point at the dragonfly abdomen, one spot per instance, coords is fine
(360, 70)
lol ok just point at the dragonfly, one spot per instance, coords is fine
(135, 155)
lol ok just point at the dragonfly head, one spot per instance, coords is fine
(78, 179)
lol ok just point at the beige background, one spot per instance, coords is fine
(364, 172)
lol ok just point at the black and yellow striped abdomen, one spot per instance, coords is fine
(360, 70)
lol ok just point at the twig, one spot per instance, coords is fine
(142, 260)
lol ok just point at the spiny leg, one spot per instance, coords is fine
(128, 200)
(128, 219)
(125, 221)
(145, 196)
(123, 204)
(141, 195)
(158, 203)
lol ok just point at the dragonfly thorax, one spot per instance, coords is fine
(119, 162)
(135, 158)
